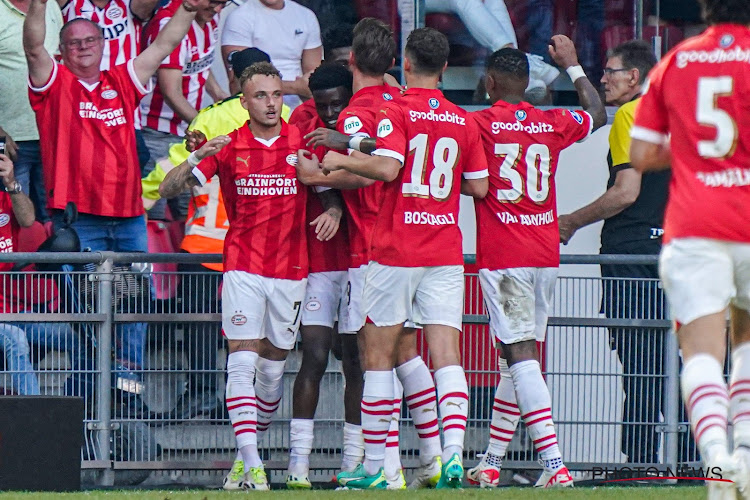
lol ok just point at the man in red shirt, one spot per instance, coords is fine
(85, 120)
(182, 86)
(265, 253)
(416, 268)
(518, 250)
(373, 47)
(693, 116)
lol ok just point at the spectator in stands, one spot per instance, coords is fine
(337, 44)
(590, 14)
(332, 13)
(205, 230)
(182, 85)
(121, 22)
(489, 23)
(85, 119)
(16, 117)
(632, 209)
(288, 32)
(16, 210)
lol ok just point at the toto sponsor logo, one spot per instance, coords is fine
(239, 319)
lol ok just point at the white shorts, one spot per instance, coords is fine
(355, 315)
(324, 299)
(518, 302)
(256, 307)
(703, 276)
(425, 295)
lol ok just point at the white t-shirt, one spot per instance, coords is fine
(283, 34)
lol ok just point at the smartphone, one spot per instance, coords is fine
(2, 144)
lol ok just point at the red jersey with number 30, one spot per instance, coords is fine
(362, 205)
(265, 204)
(435, 142)
(517, 220)
(700, 94)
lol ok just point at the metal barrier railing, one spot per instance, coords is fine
(157, 404)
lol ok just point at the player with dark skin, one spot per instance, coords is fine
(319, 340)
(506, 87)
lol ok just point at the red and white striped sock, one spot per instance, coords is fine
(453, 401)
(419, 392)
(535, 404)
(377, 411)
(505, 413)
(268, 391)
(392, 453)
(739, 391)
(707, 402)
(241, 404)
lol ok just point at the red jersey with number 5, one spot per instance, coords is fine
(517, 220)
(699, 96)
(432, 138)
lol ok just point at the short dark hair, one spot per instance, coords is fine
(329, 76)
(259, 68)
(336, 37)
(67, 25)
(373, 46)
(635, 54)
(427, 50)
(508, 61)
(726, 11)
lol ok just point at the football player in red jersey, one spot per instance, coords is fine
(523, 145)
(416, 267)
(694, 116)
(265, 253)
(372, 54)
(325, 305)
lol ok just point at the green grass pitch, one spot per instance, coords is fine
(582, 493)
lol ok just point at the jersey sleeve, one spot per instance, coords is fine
(129, 78)
(391, 134)
(37, 95)
(313, 29)
(475, 163)
(207, 169)
(651, 122)
(572, 126)
(619, 136)
(238, 29)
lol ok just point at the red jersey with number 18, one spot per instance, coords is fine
(700, 94)
(265, 204)
(517, 220)
(432, 138)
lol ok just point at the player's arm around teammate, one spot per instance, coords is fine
(181, 178)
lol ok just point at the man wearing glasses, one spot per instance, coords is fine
(632, 209)
(85, 120)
